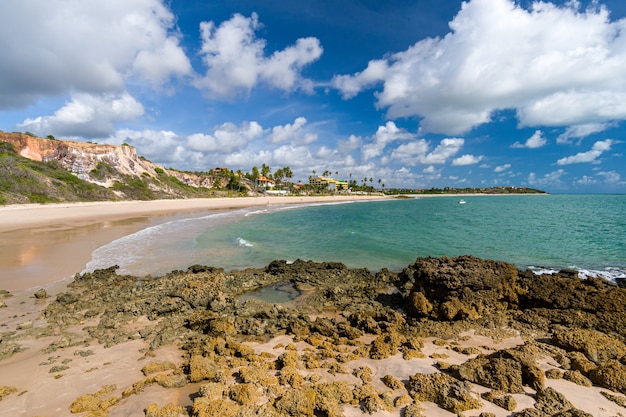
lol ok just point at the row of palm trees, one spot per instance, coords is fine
(285, 172)
(266, 171)
(353, 183)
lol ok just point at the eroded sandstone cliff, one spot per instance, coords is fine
(81, 158)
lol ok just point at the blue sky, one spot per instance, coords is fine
(417, 93)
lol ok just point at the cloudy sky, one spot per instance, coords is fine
(418, 93)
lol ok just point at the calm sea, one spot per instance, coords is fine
(542, 232)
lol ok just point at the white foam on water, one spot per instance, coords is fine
(139, 247)
(608, 273)
(244, 242)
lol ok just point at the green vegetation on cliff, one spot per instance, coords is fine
(23, 180)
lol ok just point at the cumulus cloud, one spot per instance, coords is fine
(537, 140)
(417, 152)
(63, 47)
(446, 149)
(410, 153)
(160, 146)
(226, 138)
(384, 136)
(581, 131)
(611, 177)
(591, 155)
(555, 65)
(586, 180)
(551, 179)
(87, 115)
(467, 160)
(352, 143)
(287, 132)
(502, 168)
(236, 61)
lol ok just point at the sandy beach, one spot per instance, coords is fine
(50, 363)
(41, 244)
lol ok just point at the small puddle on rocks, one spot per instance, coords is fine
(283, 292)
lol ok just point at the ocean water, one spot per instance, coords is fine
(542, 232)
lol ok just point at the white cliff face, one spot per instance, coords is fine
(81, 158)
(84, 160)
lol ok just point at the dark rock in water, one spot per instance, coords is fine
(468, 288)
(41, 293)
(460, 288)
(621, 282)
(196, 269)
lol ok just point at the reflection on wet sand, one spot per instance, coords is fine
(31, 257)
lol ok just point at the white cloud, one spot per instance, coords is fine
(287, 132)
(226, 138)
(63, 47)
(236, 61)
(384, 136)
(585, 180)
(350, 86)
(158, 64)
(611, 177)
(581, 131)
(502, 168)
(353, 142)
(409, 153)
(163, 147)
(467, 160)
(87, 115)
(537, 140)
(551, 179)
(555, 65)
(445, 150)
(592, 155)
(292, 156)
(416, 152)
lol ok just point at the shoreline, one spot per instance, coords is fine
(17, 216)
(41, 244)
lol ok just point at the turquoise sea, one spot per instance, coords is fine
(542, 232)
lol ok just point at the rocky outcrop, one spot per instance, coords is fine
(115, 172)
(344, 315)
(461, 288)
(81, 158)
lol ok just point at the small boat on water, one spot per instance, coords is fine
(461, 201)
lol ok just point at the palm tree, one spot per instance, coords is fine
(278, 175)
(265, 170)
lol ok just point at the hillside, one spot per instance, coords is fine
(37, 170)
